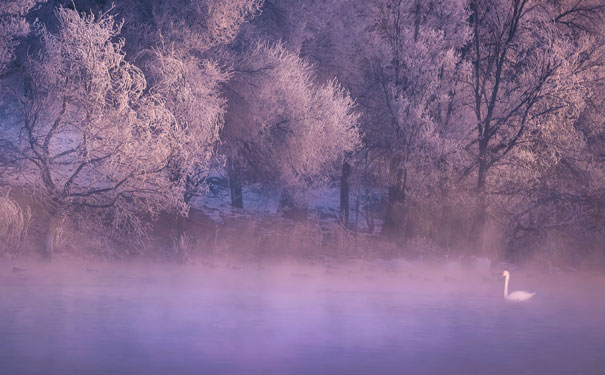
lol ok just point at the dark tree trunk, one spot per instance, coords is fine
(478, 224)
(344, 193)
(396, 197)
(51, 234)
(483, 164)
(290, 209)
(394, 212)
(191, 186)
(180, 246)
(234, 174)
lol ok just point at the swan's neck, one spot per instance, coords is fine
(506, 286)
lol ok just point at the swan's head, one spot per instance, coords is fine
(505, 274)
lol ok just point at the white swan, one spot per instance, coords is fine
(516, 296)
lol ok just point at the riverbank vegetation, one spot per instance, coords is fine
(428, 129)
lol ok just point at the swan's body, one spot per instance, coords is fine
(516, 296)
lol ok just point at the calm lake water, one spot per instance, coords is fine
(196, 320)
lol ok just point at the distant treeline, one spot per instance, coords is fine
(466, 124)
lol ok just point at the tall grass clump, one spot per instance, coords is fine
(14, 224)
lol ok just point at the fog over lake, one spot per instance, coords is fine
(285, 319)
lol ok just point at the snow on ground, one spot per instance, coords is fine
(324, 204)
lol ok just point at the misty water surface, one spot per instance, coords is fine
(197, 320)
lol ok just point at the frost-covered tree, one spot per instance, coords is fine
(95, 137)
(401, 60)
(409, 66)
(191, 91)
(188, 37)
(314, 30)
(189, 26)
(13, 26)
(534, 65)
(283, 127)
